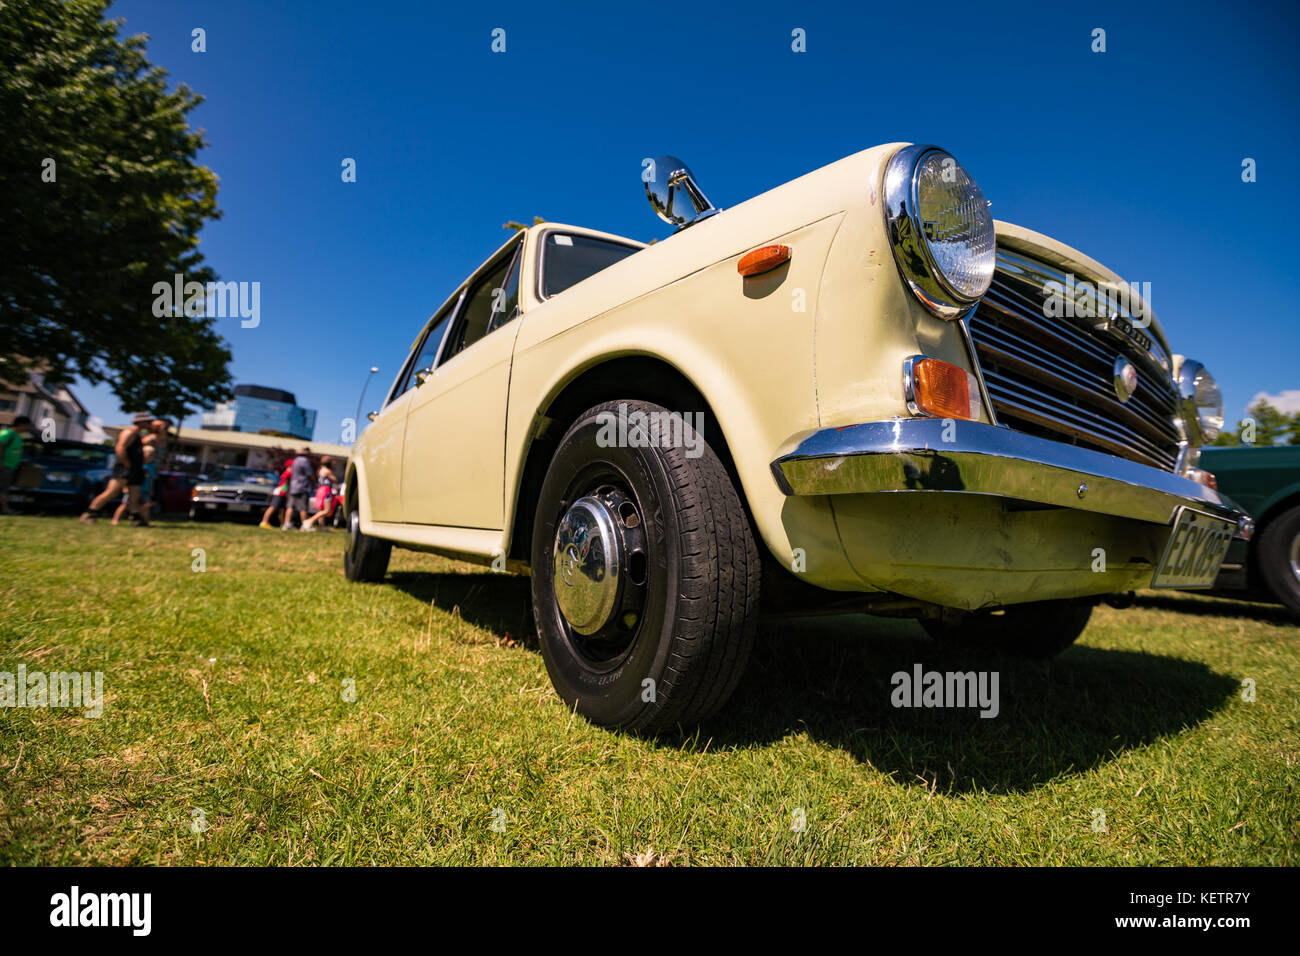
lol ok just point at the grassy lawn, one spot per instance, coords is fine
(224, 693)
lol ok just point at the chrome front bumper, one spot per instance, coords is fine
(910, 455)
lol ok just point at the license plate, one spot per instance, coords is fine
(240, 506)
(1195, 550)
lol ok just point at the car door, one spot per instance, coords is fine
(453, 463)
(386, 435)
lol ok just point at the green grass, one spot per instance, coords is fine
(223, 693)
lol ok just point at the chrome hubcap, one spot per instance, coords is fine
(587, 563)
(1295, 556)
(600, 567)
(354, 531)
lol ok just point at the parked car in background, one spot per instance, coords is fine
(1265, 480)
(61, 475)
(171, 494)
(855, 392)
(238, 493)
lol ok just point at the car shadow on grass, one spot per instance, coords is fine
(498, 603)
(831, 678)
(1217, 605)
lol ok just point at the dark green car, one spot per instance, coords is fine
(1265, 480)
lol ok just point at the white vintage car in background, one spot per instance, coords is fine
(855, 391)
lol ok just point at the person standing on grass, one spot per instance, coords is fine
(150, 479)
(279, 497)
(11, 454)
(128, 472)
(301, 485)
(158, 428)
(324, 500)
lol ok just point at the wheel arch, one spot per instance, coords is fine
(640, 377)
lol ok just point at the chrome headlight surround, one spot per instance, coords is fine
(946, 296)
(1200, 401)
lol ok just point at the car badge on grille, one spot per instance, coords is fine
(1126, 379)
(1120, 327)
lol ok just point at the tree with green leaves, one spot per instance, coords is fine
(1271, 427)
(101, 197)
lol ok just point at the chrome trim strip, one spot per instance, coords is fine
(909, 384)
(910, 455)
(977, 369)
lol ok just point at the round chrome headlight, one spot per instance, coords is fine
(1202, 401)
(940, 228)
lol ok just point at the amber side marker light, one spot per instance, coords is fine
(944, 390)
(1204, 477)
(762, 260)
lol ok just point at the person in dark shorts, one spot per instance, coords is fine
(301, 484)
(128, 472)
(146, 489)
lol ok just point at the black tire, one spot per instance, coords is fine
(364, 558)
(198, 514)
(1277, 546)
(1038, 630)
(698, 591)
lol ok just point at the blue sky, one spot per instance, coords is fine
(1133, 155)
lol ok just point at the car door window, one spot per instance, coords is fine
(506, 305)
(484, 303)
(428, 351)
(568, 259)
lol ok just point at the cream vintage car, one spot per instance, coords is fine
(853, 392)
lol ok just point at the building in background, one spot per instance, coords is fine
(49, 405)
(202, 451)
(262, 411)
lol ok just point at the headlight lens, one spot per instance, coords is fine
(1202, 400)
(940, 228)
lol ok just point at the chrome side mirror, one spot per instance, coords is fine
(371, 416)
(422, 375)
(674, 194)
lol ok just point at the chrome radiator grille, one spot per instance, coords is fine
(1053, 377)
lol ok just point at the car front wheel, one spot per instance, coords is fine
(1039, 629)
(364, 558)
(645, 576)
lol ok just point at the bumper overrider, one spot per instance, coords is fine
(969, 515)
(912, 456)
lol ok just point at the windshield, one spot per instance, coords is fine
(245, 476)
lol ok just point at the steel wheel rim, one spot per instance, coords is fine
(600, 567)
